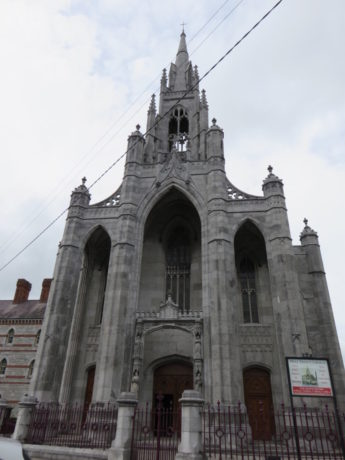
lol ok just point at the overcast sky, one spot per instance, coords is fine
(76, 77)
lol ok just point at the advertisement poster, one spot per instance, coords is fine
(309, 377)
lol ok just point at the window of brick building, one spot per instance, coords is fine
(10, 336)
(3, 365)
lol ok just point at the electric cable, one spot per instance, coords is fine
(6, 244)
(230, 50)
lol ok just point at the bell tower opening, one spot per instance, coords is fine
(178, 126)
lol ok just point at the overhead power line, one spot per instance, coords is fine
(104, 139)
(230, 50)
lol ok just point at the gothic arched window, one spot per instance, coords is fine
(3, 366)
(37, 338)
(178, 126)
(178, 267)
(31, 369)
(10, 336)
(248, 289)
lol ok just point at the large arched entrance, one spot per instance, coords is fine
(170, 381)
(258, 399)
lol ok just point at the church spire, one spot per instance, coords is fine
(180, 72)
(182, 53)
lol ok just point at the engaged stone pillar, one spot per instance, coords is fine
(121, 446)
(26, 407)
(191, 443)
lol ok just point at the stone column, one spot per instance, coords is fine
(191, 442)
(26, 407)
(121, 446)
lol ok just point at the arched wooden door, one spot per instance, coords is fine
(258, 399)
(89, 386)
(170, 381)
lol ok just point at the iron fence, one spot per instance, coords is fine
(301, 433)
(73, 425)
(155, 433)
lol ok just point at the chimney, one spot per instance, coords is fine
(22, 291)
(45, 290)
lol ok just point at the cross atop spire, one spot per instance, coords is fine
(183, 24)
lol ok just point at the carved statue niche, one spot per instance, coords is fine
(198, 363)
(137, 357)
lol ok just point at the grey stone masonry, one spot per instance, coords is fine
(179, 280)
(26, 407)
(191, 430)
(121, 446)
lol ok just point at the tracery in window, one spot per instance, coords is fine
(178, 260)
(251, 267)
(3, 366)
(10, 336)
(248, 289)
(178, 126)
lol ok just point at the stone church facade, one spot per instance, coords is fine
(179, 279)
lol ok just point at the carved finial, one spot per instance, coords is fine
(214, 121)
(84, 180)
(204, 99)
(270, 169)
(305, 220)
(153, 103)
(137, 127)
(164, 77)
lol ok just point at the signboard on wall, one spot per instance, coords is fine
(309, 377)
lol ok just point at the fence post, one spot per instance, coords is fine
(121, 446)
(191, 441)
(26, 407)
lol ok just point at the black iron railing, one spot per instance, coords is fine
(301, 433)
(73, 425)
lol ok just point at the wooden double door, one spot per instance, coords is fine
(169, 383)
(258, 399)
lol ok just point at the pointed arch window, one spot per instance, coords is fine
(31, 369)
(178, 261)
(10, 336)
(3, 366)
(178, 126)
(37, 338)
(248, 290)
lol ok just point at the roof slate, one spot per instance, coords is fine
(31, 309)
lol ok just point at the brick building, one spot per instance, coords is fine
(20, 329)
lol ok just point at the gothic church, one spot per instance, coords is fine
(179, 279)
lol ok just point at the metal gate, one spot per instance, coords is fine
(155, 432)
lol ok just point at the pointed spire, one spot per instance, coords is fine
(203, 100)
(182, 53)
(152, 108)
(179, 77)
(196, 77)
(164, 81)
